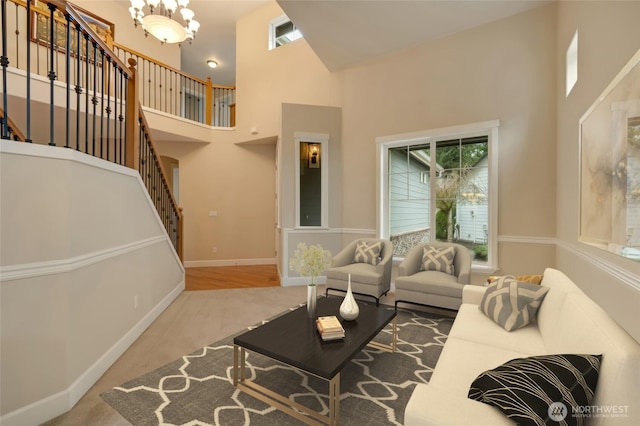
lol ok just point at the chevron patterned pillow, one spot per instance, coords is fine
(438, 259)
(367, 252)
(540, 390)
(512, 304)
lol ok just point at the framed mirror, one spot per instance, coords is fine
(610, 166)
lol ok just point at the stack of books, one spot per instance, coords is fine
(330, 328)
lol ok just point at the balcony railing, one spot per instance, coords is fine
(170, 90)
(84, 98)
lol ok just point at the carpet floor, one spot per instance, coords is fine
(197, 389)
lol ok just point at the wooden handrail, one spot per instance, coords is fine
(169, 67)
(86, 28)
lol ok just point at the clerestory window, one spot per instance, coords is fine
(282, 31)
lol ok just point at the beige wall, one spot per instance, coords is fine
(267, 78)
(84, 276)
(609, 36)
(505, 71)
(237, 182)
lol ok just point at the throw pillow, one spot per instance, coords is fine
(533, 279)
(541, 389)
(368, 252)
(438, 259)
(512, 304)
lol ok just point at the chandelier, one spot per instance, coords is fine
(159, 22)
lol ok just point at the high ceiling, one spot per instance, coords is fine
(341, 32)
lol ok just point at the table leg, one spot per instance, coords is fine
(395, 334)
(238, 365)
(394, 339)
(334, 400)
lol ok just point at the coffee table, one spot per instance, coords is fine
(293, 339)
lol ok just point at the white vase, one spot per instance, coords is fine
(349, 308)
(312, 295)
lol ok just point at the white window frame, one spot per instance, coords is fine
(323, 140)
(488, 128)
(273, 24)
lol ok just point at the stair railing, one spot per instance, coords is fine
(101, 116)
(13, 131)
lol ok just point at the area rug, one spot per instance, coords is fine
(197, 389)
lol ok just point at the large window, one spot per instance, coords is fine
(440, 185)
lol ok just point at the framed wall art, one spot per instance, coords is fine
(610, 166)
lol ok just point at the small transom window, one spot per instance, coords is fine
(282, 31)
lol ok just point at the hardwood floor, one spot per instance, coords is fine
(219, 277)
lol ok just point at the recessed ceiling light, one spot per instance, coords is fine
(212, 63)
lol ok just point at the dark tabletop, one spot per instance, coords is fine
(293, 338)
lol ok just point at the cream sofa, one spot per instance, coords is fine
(568, 322)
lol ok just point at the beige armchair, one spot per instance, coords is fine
(370, 271)
(433, 287)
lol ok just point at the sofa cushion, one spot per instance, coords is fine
(461, 361)
(533, 390)
(434, 406)
(473, 325)
(367, 252)
(512, 304)
(438, 259)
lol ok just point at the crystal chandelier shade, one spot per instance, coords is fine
(159, 21)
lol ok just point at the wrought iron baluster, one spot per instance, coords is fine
(4, 62)
(115, 110)
(94, 99)
(127, 122)
(67, 18)
(108, 109)
(52, 77)
(78, 87)
(121, 116)
(155, 87)
(162, 89)
(28, 46)
(87, 80)
(102, 86)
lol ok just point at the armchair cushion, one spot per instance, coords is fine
(438, 259)
(432, 282)
(512, 304)
(367, 252)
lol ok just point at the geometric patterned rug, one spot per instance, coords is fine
(197, 389)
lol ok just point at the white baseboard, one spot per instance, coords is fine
(229, 262)
(52, 406)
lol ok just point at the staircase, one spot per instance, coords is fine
(81, 89)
